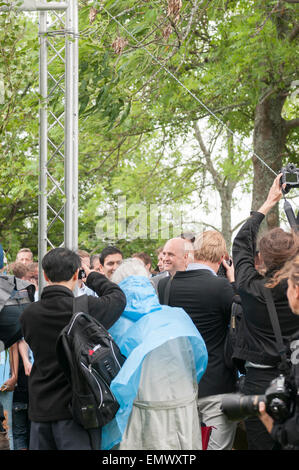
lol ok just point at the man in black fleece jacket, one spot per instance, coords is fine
(52, 426)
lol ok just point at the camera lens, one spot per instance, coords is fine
(237, 407)
(278, 409)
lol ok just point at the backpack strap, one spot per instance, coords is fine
(64, 356)
(63, 353)
(276, 327)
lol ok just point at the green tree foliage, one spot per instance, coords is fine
(150, 75)
(18, 132)
(236, 59)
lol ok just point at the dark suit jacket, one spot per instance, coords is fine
(207, 299)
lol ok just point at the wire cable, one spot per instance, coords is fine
(202, 104)
(188, 91)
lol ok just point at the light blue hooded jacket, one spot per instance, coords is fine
(143, 326)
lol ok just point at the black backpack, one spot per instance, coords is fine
(15, 295)
(90, 360)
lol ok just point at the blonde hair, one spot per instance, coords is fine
(83, 254)
(24, 250)
(210, 246)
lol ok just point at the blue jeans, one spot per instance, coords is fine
(21, 426)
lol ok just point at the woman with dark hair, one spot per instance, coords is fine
(258, 346)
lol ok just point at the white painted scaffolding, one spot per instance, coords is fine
(58, 122)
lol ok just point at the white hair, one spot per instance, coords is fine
(129, 267)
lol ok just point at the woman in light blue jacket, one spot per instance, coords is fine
(157, 385)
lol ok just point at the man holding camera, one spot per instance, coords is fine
(82, 288)
(52, 426)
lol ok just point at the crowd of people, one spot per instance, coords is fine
(172, 324)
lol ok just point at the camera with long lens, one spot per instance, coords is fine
(290, 176)
(280, 400)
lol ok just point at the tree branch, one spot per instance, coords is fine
(188, 27)
(92, 170)
(206, 224)
(259, 29)
(292, 123)
(238, 225)
(207, 156)
(294, 33)
(224, 108)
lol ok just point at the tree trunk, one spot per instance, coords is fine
(225, 188)
(269, 140)
(226, 219)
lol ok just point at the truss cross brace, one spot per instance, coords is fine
(58, 125)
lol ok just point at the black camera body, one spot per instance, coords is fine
(290, 176)
(222, 271)
(81, 274)
(280, 400)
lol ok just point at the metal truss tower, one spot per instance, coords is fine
(58, 123)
